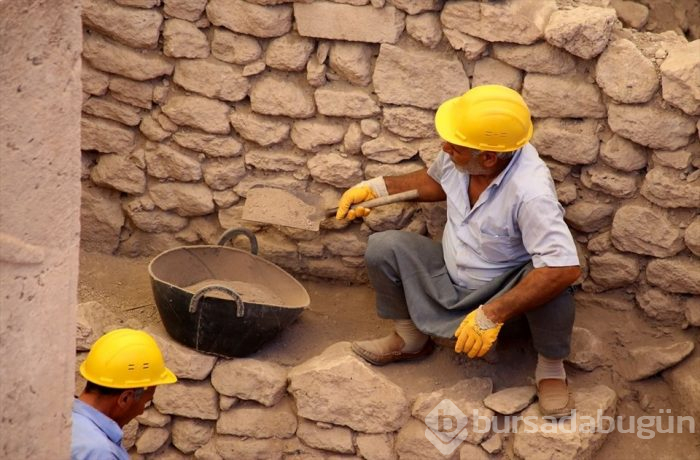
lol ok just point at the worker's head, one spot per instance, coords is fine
(123, 369)
(485, 124)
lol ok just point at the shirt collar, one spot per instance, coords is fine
(104, 423)
(516, 156)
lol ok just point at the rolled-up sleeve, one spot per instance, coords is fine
(545, 235)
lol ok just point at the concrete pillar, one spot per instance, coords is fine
(40, 98)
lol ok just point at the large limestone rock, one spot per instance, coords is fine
(388, 148)
(153, 131)
(185, 199)
(587, 350)
(251, 379)
(247, 18)
(644, 230)
(677, 159)
(680, 77)
(566, 140)
(570, 438)
(409, 121)
(187, 399)
(611, 270)
(652, 125)
(182, 39)
(115, 58)
(583, 31)
(151, 417)
(684, 380)
(120, 173)
(258, 128)
(101, 218)
(562, 97)
(282, 94)
(352, 61)
(511, 400)
(274, 159)
(234, 48)
(411, 442)
(589, 217)
(137, 28)
(190, 434)
(675, 274)
(607, 180)
(625, 74)
(623, 154)
(489, 71)
(664, 308)
(311, 134)
(419, 78)
(343, 100)
(332, 438)
(346, 22)
(632, 14)
(107, 107)
(338, 388)
(335, 169)
(144, 215)
(211, 78)
(539, 57)
(185, 362)
(223, 173)
(665, 187)
(513, 21)
(198, 112)
(132, 92)
(257, 421)
(209, 144)
(105, 136)
(151, 439)
(289, 52)
(170, 162)
(649, 360)
(189, 10)
(375, 446)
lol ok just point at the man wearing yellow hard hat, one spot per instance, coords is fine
(122, 371)
(505, 250)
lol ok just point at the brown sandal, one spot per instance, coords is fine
(554, 398)
(393, 356)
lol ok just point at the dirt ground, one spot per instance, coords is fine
(341, 312)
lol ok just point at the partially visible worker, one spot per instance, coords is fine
(506, 250)
(122, 371)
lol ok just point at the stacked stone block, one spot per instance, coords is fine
(190, 103)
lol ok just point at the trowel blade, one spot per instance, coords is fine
(290, 208)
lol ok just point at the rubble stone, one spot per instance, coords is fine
(271, 159)
(101, 218)
(692, 236)
(417, 6)
(652, 125)
(352, 61)
(664, 308)
(419, 78)
(182, 39)
(583, 31)
(252, 379)
(684, 380)
(183, 361)
(472, 47)
(632, 14)
(540, 57)
(234, 48)
(664, 187)
(210, 144)
(333, 438)
(152, 439)
(676, 159)
(625, 74)
(622, 154)
(132, 92)
(187, 399)
(511, 400)
(425, 28)
(589, 217)
(388, 148)
(234, 447)
(198, 112)
(311, 134)
(605, 300)
(121, 60)
(120, 173)
(94, 82)
(680, 77)
(391, 216)
(152, 220)
(550, 439)
(151, 417)
(166, 162)
(130, 431)
(651, 359)
(611, 270)
(409, 121)
(375, 446)
(510, 21)
(643, 230)
(223, 173)
(343, 100)
(92, 321)
(105, 136)
(567, 140)
(290, 52)
(107, 107)
(334, 169)
(411, 442)
(211, 78)
(330, 20)
(185, 199)
(675, 274)
(137, 28)
(258, 128)
(189, 10)
(188, 434)
(251, 19)
(562, 97)
(607, 180)
(280, 94)
(368, 402)
(257, 421)
(587, 350)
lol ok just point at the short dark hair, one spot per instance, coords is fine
(95, 388)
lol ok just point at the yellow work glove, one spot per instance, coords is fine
(476, 334)
(364, 191)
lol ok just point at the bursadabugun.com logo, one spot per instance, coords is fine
(447, 426)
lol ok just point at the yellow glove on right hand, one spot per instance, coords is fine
(476, 334)
(354, 195)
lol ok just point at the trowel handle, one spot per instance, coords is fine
(382, 200)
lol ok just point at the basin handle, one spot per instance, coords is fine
(240, 306)
(232, 233)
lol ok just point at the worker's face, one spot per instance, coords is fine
(466, 160)
(132, 403)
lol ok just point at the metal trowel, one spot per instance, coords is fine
(303, 210)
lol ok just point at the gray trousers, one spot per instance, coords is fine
(411, 281)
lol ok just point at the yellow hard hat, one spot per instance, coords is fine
(489, 117)
(126, 358)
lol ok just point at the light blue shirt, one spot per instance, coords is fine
(516, 219)
(95, 436)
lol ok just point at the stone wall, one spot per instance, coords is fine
(39, 224)
(189, 103)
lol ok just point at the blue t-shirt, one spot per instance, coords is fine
(516, 219)
(95, 436)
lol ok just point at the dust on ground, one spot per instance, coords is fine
(342, 312)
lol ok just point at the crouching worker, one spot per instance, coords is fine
(122, 371)
(505, 250)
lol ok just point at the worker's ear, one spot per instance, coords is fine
(489, 159)
(126, 397)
